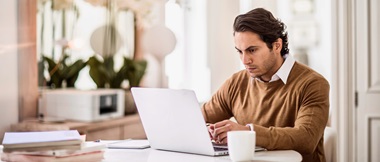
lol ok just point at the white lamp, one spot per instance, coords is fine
(106, 40)
(159, 40)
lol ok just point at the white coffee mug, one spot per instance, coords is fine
(241, 145)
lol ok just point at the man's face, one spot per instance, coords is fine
(260, 61)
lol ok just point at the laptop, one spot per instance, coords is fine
(173, 121)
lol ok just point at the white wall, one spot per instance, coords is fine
(320, 53)
(205, 55)
(223, 60)
(8, 63)
(321, 56)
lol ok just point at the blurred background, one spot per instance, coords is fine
(181, 44)
(187, 44)
(196, 53)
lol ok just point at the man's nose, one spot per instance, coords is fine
(246, 59)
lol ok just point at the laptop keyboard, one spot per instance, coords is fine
(220, 147)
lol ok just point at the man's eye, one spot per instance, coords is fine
(238, 51)
(251, 50)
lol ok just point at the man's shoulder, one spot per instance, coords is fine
(303, 72)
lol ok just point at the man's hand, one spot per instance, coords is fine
(218, 131)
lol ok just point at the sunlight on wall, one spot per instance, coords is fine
(186, 67)
(9, 69)
(175, 61)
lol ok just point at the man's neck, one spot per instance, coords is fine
(269, 76)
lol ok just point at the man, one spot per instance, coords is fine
(285, 102)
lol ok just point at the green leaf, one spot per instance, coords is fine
(54, 72)
(61, 71)
(103, 72)
(135, 72)
(73, 72)
(120, 76)
(97, 72)
(109, 67)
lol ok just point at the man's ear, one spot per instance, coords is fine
(277, 45)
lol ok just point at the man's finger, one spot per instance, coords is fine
(221, 123)
(223, 129)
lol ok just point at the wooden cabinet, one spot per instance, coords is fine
(129, 126)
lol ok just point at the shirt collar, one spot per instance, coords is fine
(284, 71)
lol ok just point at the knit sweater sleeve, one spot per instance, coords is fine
(218, 108)
(309, 126)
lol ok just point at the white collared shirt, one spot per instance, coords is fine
(283, 72)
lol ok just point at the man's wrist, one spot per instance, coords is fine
(250, 126)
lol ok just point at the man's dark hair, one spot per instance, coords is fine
(263, 23)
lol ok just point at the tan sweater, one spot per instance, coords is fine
(285, 116)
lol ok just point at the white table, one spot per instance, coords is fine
(153, 155)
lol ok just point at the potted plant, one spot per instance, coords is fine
(103, 73)
(106, 43)
(62, 74)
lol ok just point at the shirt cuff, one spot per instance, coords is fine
(250, 126)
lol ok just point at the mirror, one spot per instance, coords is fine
(72, 30)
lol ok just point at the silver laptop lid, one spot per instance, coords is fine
(172, 120)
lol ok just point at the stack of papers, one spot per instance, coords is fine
(39, 141)
(52, 146)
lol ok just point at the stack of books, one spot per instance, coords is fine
(52, 146)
